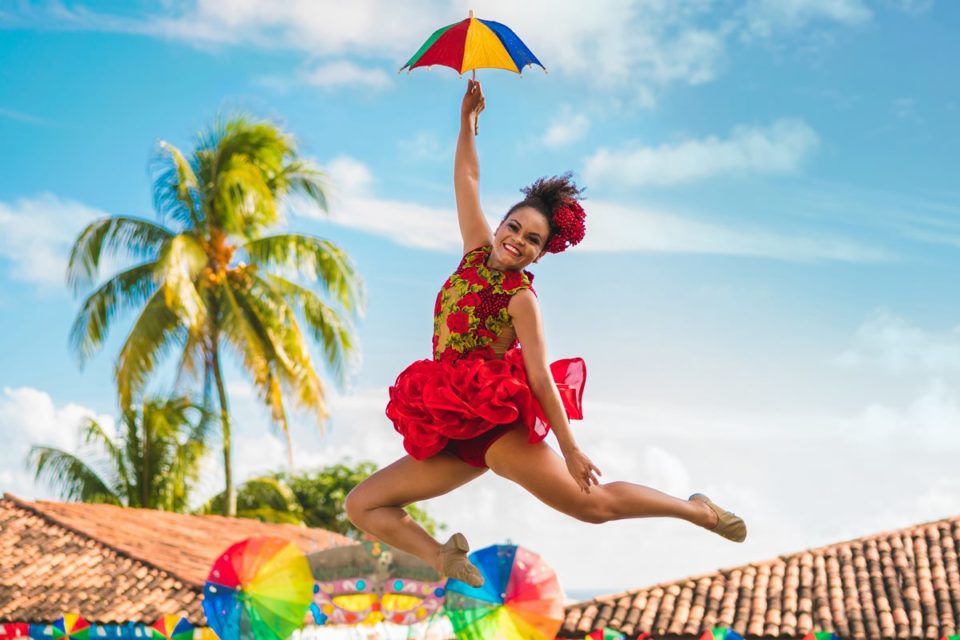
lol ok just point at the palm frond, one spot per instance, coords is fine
(118, 234)
(176, 192)
(301, 176)
(125, 290)
(334, 333)
(69, 476)
(156, 330)
(318, 260)
(179, 266)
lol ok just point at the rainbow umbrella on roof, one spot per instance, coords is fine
(171, 627)
(605, 634)
(721, 633)
(829, 635)
(259, 589)
(71, 627)
(473, 44)
(521, 598)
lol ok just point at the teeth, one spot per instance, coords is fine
(511, 250)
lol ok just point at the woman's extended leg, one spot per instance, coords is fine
(538, 469)
(376, 504)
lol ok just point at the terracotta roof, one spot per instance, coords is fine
(113, 564)
(898, 584)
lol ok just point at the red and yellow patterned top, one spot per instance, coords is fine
(470, 315)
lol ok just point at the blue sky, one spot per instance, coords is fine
(766, 298)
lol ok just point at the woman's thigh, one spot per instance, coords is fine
(539, 470)
(409, 480)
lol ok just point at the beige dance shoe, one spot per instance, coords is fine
(729, 525)
(454, 562)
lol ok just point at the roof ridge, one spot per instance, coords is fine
(782, 556)
(34, 508)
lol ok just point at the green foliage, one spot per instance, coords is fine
(153, 463)
(206, 277)
(315, 499)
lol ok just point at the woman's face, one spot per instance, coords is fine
(520, 239)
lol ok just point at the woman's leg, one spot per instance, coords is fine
(376, 504)
(538, 469)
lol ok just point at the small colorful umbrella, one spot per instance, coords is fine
(521, 597)
(606, 634)
(474, 44)
(71, 627)
(828, 635)
(171, 627)
(260, 589)
(721, 633)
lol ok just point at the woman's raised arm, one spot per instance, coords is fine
(466, 173)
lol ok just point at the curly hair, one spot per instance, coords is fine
(548, 196)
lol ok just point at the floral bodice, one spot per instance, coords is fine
(470, 315)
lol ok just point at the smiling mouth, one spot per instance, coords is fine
(511, 250)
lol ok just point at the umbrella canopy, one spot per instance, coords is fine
(171, 627)
(474, 44)
(260, 589)
(521, 597)
(606, 634)
(721, 633)
(829, 635)
(71, 627)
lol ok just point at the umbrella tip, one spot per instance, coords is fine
(471, 13)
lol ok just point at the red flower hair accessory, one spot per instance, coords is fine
(568, 218)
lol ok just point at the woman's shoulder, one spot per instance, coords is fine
(475, 256)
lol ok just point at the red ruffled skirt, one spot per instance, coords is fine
(433, 402)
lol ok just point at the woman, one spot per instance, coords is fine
(488, 398)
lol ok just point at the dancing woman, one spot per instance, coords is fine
(488, 398)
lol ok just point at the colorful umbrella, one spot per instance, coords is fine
(474, 44)
(521, 597)
(11, 630)
(605, 634)
(171, 627)
(721, 633)
(828, 635)
(71, 627)
(259, 589)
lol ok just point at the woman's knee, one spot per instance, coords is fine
(593, 509)
(356, 505)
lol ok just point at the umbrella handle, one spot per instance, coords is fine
(476, 121)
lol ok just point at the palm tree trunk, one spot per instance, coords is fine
(230, 496)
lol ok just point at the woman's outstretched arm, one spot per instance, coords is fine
(466, 173)
(525, 312)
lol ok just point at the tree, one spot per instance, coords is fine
(313, 499)
(205, 278)
(153, 463)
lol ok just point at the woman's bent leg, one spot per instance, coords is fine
(376, 504)
(538, 469)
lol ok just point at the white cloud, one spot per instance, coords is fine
(29, 417)
(568, 127)
(36, 235)
(766, 18)
(617, 227)
(897, 346)
(635, 48)
(612, 226)
(343, 73)
(778, 148)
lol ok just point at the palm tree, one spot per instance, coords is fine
(153, 463)
(202, 278)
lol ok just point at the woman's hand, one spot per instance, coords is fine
(582, 469)
(473, 100)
